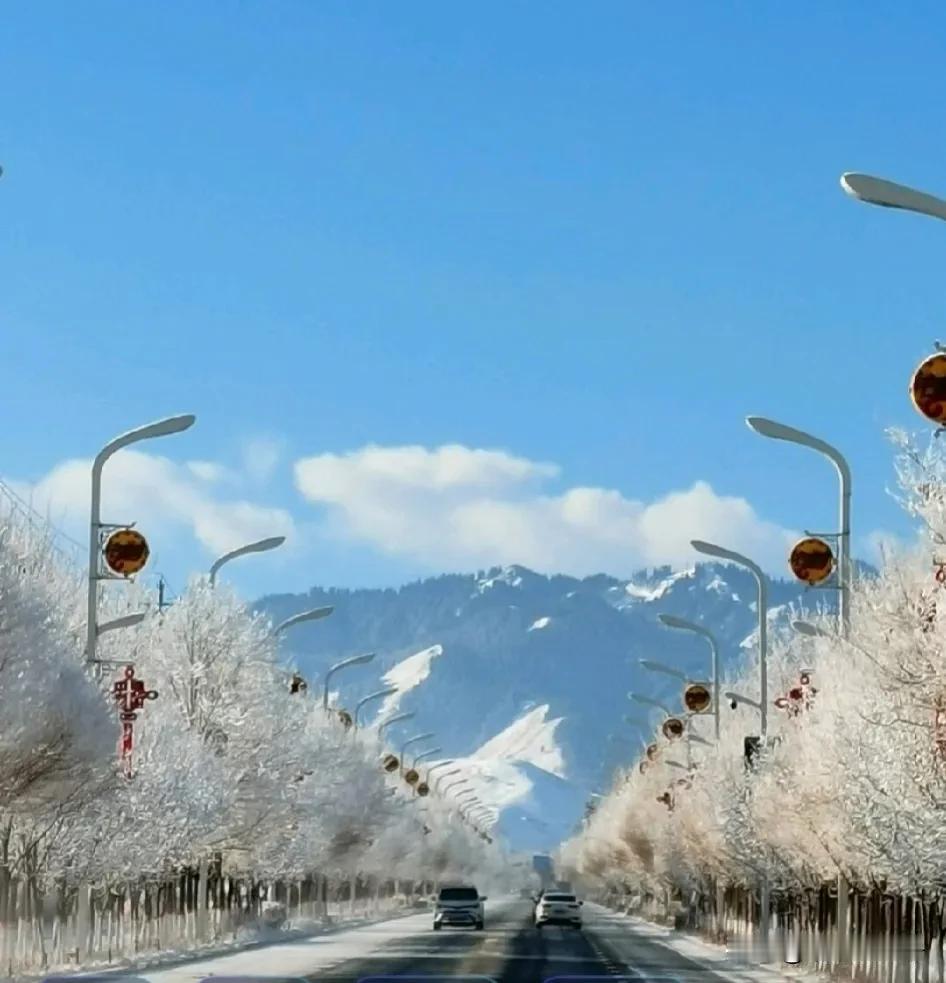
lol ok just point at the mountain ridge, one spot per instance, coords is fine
(511, 639)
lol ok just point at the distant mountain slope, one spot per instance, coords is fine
(473, 654)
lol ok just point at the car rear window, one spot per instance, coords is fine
(459, 894)
(558, 897)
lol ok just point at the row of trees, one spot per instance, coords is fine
(232, 774)
(843, 812)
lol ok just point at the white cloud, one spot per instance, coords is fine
(458, 507)
(158, 495)
(209, 471)
(261, 457)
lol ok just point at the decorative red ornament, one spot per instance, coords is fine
(130, 695)
(798, 697)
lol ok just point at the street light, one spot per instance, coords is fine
(397, 718)
(314, 615)
(465, 809)
(653, 666)
(262, 546)
(354, 660)
(425, 754)
(413, 740)
(161, 428)
(807, 628)
(709, 549)
(649, 701)
(686, 717)
(125, 621)
(448, 774)
(877, 191)
(681, 624)
(380, 694)
(778, 431)
(739, 698)
(439, 764)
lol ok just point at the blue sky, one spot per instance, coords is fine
(578, 241)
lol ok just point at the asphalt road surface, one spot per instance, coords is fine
(512, 950)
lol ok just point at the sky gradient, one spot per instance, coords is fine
(444, 283)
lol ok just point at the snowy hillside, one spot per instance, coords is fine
(519, 772)
(531, 739)
(525, 676)
(405, 676)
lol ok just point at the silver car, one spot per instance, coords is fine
(459, 906)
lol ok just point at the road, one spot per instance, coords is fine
(512, 950)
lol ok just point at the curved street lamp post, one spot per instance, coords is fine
(160, 428)
(435, 767)
(425, 754)
(261, 546)
(315, 614)
(354, 660)
(417, 738)
(878, 191)
(681, 624)
(648, 701)
(446, 774)
(779, 431)
(397, 718)
(378, 695)
(709, 549)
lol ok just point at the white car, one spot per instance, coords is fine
(459, 906)
(558, 908)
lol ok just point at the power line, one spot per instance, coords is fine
(57, 538)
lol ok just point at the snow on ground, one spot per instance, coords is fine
(299, 958)
(531, 738)
(642, 593)
(774, 617)
(508, 575)
(406, 675)
(540, 623)
(518, 773)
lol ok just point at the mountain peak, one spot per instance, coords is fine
(512, 576)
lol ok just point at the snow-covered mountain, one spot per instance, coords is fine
(523, 676)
